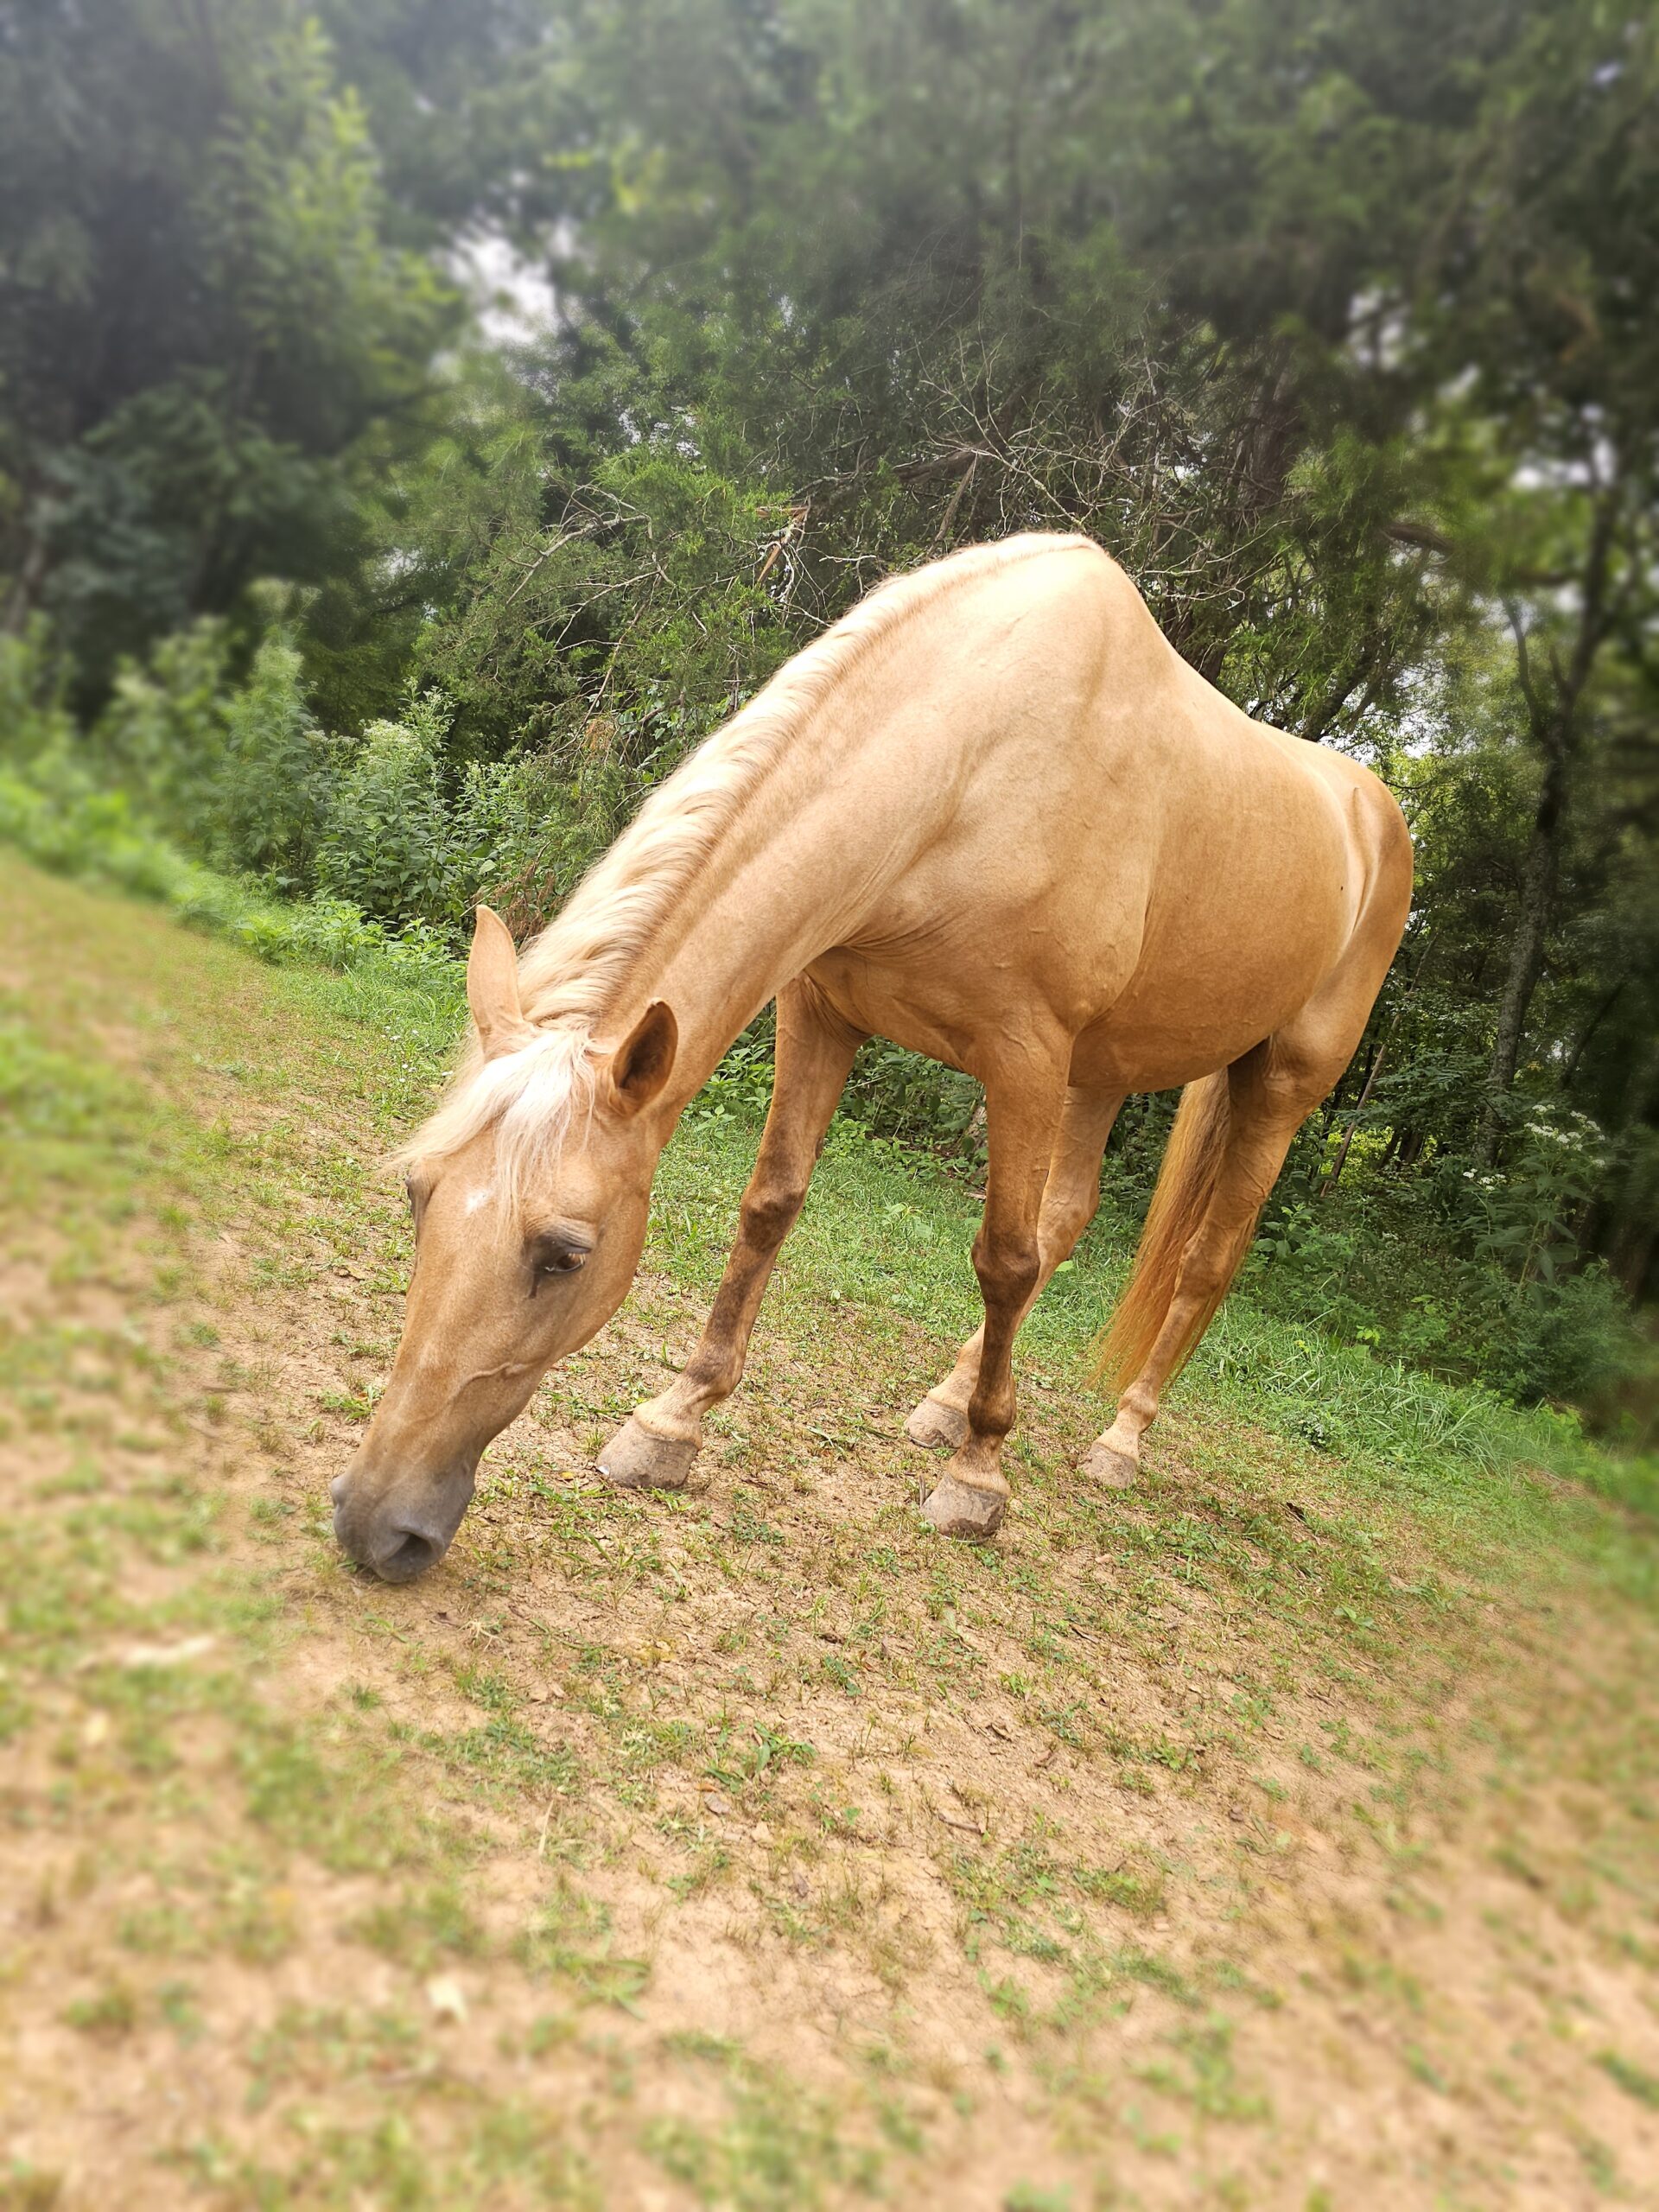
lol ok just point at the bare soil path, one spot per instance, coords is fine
(1278, 1835)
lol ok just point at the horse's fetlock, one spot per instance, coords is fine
(712, 1375)
(990, 1417)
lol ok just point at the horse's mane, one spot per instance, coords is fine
(571, 973)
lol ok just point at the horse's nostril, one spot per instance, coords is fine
(411, 1557)
(400, 1525)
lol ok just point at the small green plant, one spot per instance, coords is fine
(1634, 2081)
(110, 2012)
(271, 792)
(1026, 2196)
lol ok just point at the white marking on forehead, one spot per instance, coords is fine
(480, 1196)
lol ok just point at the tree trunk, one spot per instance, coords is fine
(1575, 1058)
(1526, 954)
(1334, 1175)
(1553, 714)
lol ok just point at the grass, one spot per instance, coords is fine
(648, 1822)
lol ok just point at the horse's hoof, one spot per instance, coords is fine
(638, 1458)
(936, 1427)
(1111, 1470)
(967, 1509)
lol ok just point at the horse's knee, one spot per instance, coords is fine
(768, 1214)
(1009, 1265)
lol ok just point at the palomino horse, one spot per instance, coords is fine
(993, 816)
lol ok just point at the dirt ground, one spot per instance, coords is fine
(1248, 1841)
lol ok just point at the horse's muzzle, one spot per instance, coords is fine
(407, 1526)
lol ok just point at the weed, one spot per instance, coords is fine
(1633, 2080)
(110, 2014)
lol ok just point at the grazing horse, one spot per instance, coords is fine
(993, 816)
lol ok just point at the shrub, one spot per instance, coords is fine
(899, 1094)
(387, 846)
(394, 844)
(163, 734)
(33, 718)
(521, 838)
(1402, 1266)
(241, 777)
(51, 809)
(271, 792)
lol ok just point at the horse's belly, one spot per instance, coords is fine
(1202, 996)
(1114, 1056)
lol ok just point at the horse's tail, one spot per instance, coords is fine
(1186, 1182)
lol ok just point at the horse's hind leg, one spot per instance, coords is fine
(1023, 1113)
(655, 1446)
(1265, 1107)
(1071, 1197)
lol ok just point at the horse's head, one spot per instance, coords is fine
(529, 1190)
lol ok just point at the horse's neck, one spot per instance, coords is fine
(792, 875)
(839, 813)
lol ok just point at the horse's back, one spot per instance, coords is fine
(1081, 820)
(1224, 871)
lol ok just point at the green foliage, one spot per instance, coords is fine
(163, 733)
(202, 311)
(538, 655)
(241, 772)
(408, 839)
(385, 847)
(272, 788)
(52, 809)
(1388, 1265)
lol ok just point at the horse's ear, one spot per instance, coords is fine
(640, 1067)
(492, 984)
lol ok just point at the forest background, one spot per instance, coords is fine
(421, 422)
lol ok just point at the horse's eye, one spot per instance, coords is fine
(555, 1255)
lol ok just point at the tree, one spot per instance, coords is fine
(1543, 306)
(199, 311)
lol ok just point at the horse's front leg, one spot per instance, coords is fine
(1071, 1197)
(1024, 1109)
(655, 1446)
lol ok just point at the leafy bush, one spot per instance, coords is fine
(1387, 1263)
(520, 838)
(162, 736)
(914, 1101)
(51, 810)
(33, 718)
(239, 775)
(406, 838)
(386, 846)
(271, 791)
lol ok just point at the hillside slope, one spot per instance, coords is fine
(1279, 1834)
